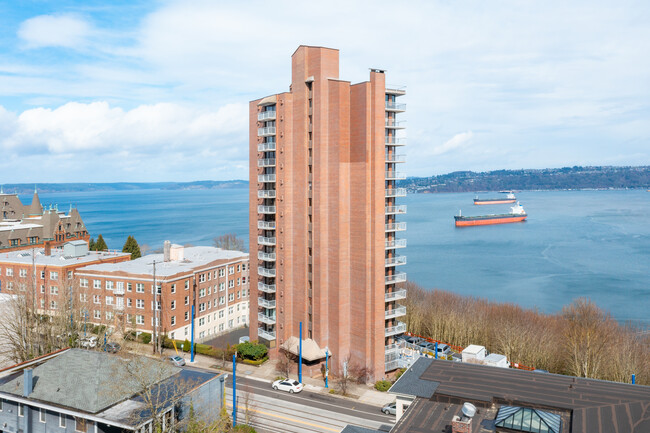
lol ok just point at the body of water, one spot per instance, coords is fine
(593, 244)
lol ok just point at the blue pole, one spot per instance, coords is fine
(104, 341)
(300, 355)
(436, 349)
(633, 379)
(326, 371)
(192, 342)
(234, 390)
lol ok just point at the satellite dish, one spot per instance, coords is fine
(469, 410)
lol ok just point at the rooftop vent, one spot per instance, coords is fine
(469, 410)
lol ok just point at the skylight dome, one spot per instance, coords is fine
(528, 420)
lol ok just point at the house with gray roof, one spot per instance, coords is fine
(78, 390)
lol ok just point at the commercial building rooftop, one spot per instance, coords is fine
(57, 257)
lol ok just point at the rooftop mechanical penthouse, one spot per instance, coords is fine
(324, 214)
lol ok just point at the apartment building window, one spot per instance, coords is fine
(201, 321)
(109, 285)
(97, 314)
(120, 286)
(243, 293)
(54, 290)
(202, 278)
(97, 284)
(42, 303)
(53, 305)
(215, 302)
(238, 294)
(243, 280)
(69, 275)
(187, 316)
(83, 282)
(231, 297)
(230, 323)
(21, 410)
(109, 300)
(109, 315)
(187, 300)
(231, 270)
(139, 304)
(238, 268)
(10, 272)
(220, 327)
(231, 310)
(42, 275)
(139, 287)
(210, 290)
(157, 305)
(42, 288)
(201, 307)
(173, 305)
(22, 273)
(62, 420)
(129, 302)
(231, 284)
(139, 319)
(41, 415)
(222, 287)
(129, 287)
(173, 288)
(202, 293)
(159, 289)
(173, 321)
(10, 285)
(187, 285)
(222, 300)
(97, 299)
(222, 272)
(238, 307)
(83, 297)
(54, 275)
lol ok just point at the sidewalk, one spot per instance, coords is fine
(267, 373)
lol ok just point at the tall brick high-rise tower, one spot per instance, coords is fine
(323, 213)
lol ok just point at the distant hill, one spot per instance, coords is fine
(22, 188)
(606, 177)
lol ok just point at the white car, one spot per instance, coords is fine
(288, 385)
(88, 342)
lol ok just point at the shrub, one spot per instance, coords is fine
(99, 329)
(244, 428)
(145, 337)
(251, 350)
(382, 385)
(399, 373)
(255, 361)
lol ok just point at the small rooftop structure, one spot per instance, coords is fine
(310, 349)
(59, 257)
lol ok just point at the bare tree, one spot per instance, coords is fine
(229, 241)
(284, 363)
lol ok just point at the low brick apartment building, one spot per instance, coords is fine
(215, 281)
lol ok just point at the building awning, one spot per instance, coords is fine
(269, 100)
(310, 350)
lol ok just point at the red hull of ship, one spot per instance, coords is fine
(495, 201)
(491, 221)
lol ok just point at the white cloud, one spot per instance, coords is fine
(456, 142)
(69, 31)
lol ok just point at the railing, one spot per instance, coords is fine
(389, 124)
(266, 303)
(395, 89)
(395, 296)
(393, 141)
(396, 192)
(396, 227)
(265, 272)
(392, 106)
(395, 261)
(266, 209)
(395, 158)
(268, 319)
(266, 193)
(263, 132)
(390, 348)
(394, 175)
(118, 291)
(398, 277)
(395, 312)
(266, 147)
(266, 225)
(396, 243)
(266, 115)
(266, 288)
(266, 177)
(263, 240)
(267, 335)
(391, 210)
(267, 257)
(400, 328)
(266, 162)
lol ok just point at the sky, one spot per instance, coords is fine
(133, 91)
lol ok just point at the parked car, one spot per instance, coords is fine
(430, 349)
(176, 360)
(390, 409)
(288, 385)
(414, 340)
(112, 347)
(88, 342)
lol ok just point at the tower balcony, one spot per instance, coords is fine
(266, 288)
(394, 175)
(393, 124)
(268, 241)
(265, 257)
(399, 311)
(393, 210)
(395, 243)
(267, 115)
(398, 277)
(270, 304)
(266, 225)
(267, 210)
(394, 158)
(266, 131)
(394, 141)
(396, 192)
(390, 349)
(389, 331)
(266, 178)
(269, 320)
(266, 162)
(396, 90)
(393, 106)
(266, 193)
(395, 261)
(266, 147)
(265, 272)
(395, 296)
(396, 227)
(267, 335)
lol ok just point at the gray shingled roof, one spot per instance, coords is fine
(409, 383)
(88, 381)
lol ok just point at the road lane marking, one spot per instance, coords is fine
(229, 405)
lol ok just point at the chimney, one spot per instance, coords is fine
(167, 246)
(28, 381)
(463, 424)
(48, 248)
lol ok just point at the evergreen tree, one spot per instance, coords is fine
(131, 246)
(100, 245)
(91, 245)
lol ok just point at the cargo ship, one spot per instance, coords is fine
(510, 198)
(516, 214)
